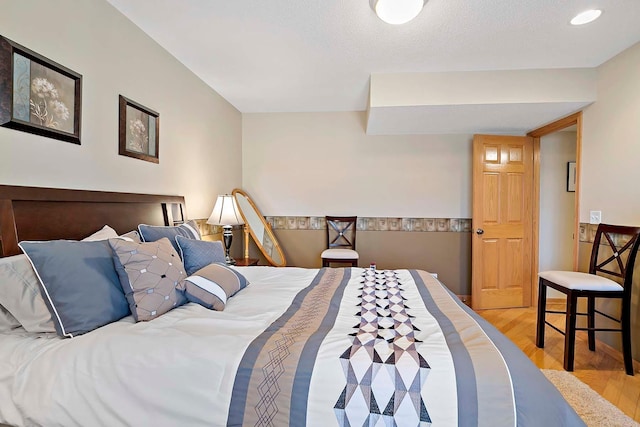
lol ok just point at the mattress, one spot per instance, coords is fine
(297, 347)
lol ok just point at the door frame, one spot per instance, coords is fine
(536, 134)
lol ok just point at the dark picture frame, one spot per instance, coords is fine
(38, 95)
(139, 131)
(571, 177)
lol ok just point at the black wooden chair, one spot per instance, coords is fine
(341, 241)
(623, 243)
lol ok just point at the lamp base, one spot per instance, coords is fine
(227, 235)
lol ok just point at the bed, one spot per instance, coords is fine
(296, 347)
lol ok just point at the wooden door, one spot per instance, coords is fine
(502, 221)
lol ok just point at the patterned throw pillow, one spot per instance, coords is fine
(150, 274)
(196, 254)
(79, 284)
(152, 233)
(213, 285)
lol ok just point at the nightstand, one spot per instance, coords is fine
(246, 262)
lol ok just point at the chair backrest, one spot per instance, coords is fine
(341, 232)
(623, 241)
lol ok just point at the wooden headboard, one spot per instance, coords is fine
(35, 213)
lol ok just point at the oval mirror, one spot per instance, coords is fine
(259, 229)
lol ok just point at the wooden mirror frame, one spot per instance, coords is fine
(250, 230)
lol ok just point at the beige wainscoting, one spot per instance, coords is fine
(446, 253)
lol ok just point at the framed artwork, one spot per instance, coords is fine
(571, 176)
(139, 135)
(38, 95)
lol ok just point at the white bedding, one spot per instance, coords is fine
(169, 364)
(180, 369)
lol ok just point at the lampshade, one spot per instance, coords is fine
(397, 11)
(225, 212)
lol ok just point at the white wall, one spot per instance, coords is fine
(556, 204)
(611, 143)
(324, 164)
(610, 179)
(200, 132)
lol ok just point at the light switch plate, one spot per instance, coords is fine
(595, 217)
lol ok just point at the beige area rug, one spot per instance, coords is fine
(594, 409)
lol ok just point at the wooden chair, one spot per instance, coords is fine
(623, 242)
(341, 241)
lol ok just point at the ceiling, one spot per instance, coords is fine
(319, 55)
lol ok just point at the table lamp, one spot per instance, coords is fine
(225, 213)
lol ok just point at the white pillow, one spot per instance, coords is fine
(105, 233)
(7, 321)
(20, 294)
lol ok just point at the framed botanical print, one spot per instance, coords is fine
(139, 131)
(38, 95)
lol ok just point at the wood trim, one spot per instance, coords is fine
(565, 122)
(535, 238)
(576, 225)
(557, 125)
(465, 299)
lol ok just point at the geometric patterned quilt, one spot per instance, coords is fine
(383, 369)
(387, 348)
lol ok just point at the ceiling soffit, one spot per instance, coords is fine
(510, 101)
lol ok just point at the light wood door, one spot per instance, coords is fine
(502, 221)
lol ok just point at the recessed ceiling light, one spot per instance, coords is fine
(586, 17)
(397, 12)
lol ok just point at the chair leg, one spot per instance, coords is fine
(542, 307)
(626, 339)
(570, 332)
(591, 322)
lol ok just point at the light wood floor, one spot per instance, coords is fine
(602, 370)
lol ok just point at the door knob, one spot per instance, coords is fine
(479, 231)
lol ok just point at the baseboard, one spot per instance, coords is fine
(465, 299)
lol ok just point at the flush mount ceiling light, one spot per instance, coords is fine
(586, 17)
(397, 12)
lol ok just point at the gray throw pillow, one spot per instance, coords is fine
(152, 233)
(196, 254)
(79, 284)
(213, 285)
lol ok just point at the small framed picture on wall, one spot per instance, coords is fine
(38, 95)
(139, 131)
(571, 176)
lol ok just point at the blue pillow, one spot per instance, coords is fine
(152, 233)
(79, 284)
(196, 254)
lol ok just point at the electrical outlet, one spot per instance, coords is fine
(595, 217)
